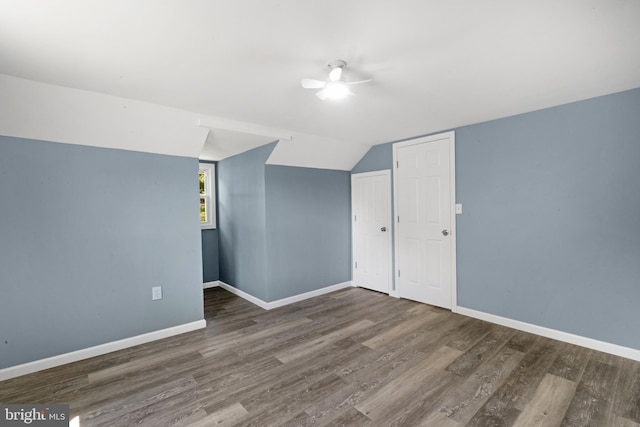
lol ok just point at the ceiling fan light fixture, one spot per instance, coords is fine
(336, 90)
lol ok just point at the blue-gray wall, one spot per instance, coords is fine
(84, 234)
(550, 233)
(308, 229)
(550, 230)
(241, 221)
(210, 256)
(283, 230)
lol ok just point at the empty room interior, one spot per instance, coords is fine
(270, 213)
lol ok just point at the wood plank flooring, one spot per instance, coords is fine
(352, 357)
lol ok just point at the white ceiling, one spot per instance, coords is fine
(222, 143)
(435, 64)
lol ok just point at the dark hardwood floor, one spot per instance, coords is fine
(353, 357)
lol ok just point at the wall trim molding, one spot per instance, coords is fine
(214, 284)
(284, 301)
(86, 353)
(615, 349)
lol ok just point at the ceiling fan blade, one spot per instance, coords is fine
(335, 74)
(356, 83)
(322, 94)
(312, 84)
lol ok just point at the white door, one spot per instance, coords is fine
(425, 221)
(371, 219)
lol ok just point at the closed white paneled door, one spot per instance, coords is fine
(371, 219)
(425, 222)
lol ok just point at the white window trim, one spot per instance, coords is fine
(210, 189)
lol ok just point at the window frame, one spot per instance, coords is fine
(209, 169)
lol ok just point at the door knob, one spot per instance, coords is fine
(445, 232)
(383, 229)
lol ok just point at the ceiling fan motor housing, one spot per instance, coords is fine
(337, 63)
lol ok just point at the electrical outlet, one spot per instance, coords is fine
(156, 293)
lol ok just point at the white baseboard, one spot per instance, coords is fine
(618, 350)
(85, 353)
(214, 284)
(284, 301)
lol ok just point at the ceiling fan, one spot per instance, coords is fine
(336, 87)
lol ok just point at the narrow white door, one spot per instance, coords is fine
(425, 222)
(371, 219)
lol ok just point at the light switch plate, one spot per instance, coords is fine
(458, 208)
(156, 293)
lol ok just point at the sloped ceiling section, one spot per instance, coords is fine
(229, 137)
(317, 152)
(52, 113)
(47, 112)
(222, 143)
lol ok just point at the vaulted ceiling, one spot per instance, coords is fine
(434, 65)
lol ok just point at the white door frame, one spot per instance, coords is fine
(386, 173)
(452, 181)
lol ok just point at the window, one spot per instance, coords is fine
(207, 195)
